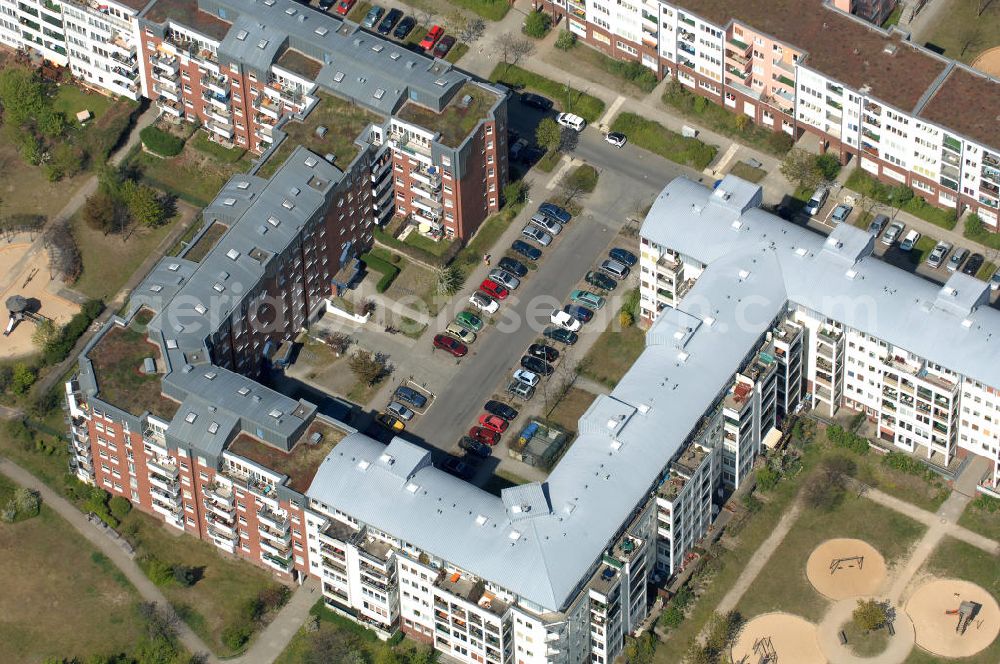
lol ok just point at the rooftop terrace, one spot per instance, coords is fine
(186, 12)
(689, 460)
(299, 63)
(457, 119)
(118, 359)
(301, 463)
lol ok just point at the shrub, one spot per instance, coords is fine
(671, 617)
(625, 318)
(846, 439)
(186, 576)
(22, 379)
(236, 636)
(160, 142)
(767, 478)
(869, 614)
(388, 270)
(59, 349)
(537, 24)
(976, 231)
(566, 40)
(158, 571)
(28, 501)
(751, 503)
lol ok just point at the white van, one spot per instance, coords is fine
(817, 201)
(574, 122)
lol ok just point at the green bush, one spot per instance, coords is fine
(236, 636)
(841, 437)
(388, 270)
(119, 506)
(633, 71)
(537, 24)
(669, 144)
(158, 571)
(160, 142)
(767, 478)
(976, 231)
(59, 349)
(566, 40)
(902, 197)
(752, 503)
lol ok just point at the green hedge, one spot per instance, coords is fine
(669, 144)
(59, 350)
(977, 232)
(569, 99)
(388, 270)
(162, 143)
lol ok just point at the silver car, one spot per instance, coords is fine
(938, 254)
(546, 223)
(892, 233)
(615, 269)
(400, 411)
(504, 278)
(537, 234)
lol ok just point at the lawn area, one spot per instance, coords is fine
(566, 414)
(632, 78)
(199, 141)
(487, 235)
(986, 271)
(744, 170)
(358, 13)
(109, 260)
(963, 35)
(70, 99)
(867, 185)
(893, 18)
(925, 492)
(62, 598)
(568, 99)
(26, 190)
(416, 286)
(206, 242)
(548, 162)
(424, 243)
(782, 584)
(458, 50)
(669, 144)
(226, 585)
(983, 516)
(195, 175)
(613, 353)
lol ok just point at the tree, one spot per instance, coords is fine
(982, 6)
(45, 334)
(23, 378)
(899, 195)
(67, 161)
(369, 367)
(186, 576)
(566, 40)
(625, 318)
(64, 255)
(339, 342)
(100, 212)
(469, 29)
(515, 192)
(828, 165)
(449, 280)
(640, 650)
(970, 36)
(800, 167)
(578, 181)
(28, 501)
(722, 629)
(144, 204)
(119, 506)
(537, 24)
(511, 48)
(548, 134)
(22, 94)
(870, 615)
(672, 617)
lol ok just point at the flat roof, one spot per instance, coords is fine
(969, 103)
(470, 104)
(299, 63)
(186, 12)
(841, 47)
(301, 463)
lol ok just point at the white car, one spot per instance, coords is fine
(574, 122)
(546, 223)
(504, 278)
(400, 411)
(616, 138)
(527, 377)
(536, 234)
(565, 321)
(484, 303)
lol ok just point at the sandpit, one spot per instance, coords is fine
(784, 636)
(988, 61)
(26, 273)
(936, 630)
(843, 568)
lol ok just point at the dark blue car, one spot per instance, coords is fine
(623, 256)
(556, 212)
(580, 312)
(526, 250)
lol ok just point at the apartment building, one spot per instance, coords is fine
(897, 110)
(869, 332)
(96, 40)
(873, 11)
(244, 69)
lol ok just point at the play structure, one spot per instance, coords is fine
(766, 637)
(844, 568)
(18, 309)
(953, 618)
(764, 650)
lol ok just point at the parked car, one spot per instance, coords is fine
(580, 312)
(390, 422)
(474, 447)
(615, 138)
(372, 17)
(500, 409)
(938, 255)
(536, 101)
(878, 223)
(443, 46)
(469, 320)
(558, 213)
(537, 234)
(602, 281)
(399, 410)
(972, 265)
(995, 280)
(484, 302)
(504, 278)
(485, 436)
(526, 250)
(431, 37)
(410, 396)
(494, 289)
(615, 269)
(325, 4)
(574, 122)
(957, 259)
(527, 377)
(816, 201)
(561, 335)
(520, 390)
(461, 333)
(909, 241)
(546, 223)
(543, 352)
(344, 7)
(564, 320)
(623, 256)
(535, 365)
(404, 27)
(585, 297)
(450, 345)
(493, 422)
(753, 163)
(386, 25)
(455, 466)
(518, 149)
(841, 213)
(892, 233)
(514, 266)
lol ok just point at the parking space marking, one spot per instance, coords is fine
(610, 113)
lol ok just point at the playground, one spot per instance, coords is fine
(953, 618)
(25, 272)
(842, 568)
(777, 638)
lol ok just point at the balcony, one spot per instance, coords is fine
(272, 520)
(166, 64)
(225, 526)
(280, 563)
(220, 129)
(166, 92)
(268, 107)
(165, 468)
(274, 537)
(167, 486)
(277, 550)
(219, 510)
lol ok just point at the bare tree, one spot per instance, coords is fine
(512, 48)
(970, 36)
(472, 30)
(64, 255)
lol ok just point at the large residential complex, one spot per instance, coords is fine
(903, 113)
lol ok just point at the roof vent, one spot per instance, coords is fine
(156, 288)
(412, 487)
(200, 308)
(229, 202)
(801, 251)
(191, 417)
(321, 31)
(243, 391)
(643, 408)
(851, 274)
(218, 287)
(387, 459)
(683, 356)
(213, 428)
(514, 535)
(744, 274)
(616, 445)
(274, 221)
(233, 254)
(481, 520)
(243, 184)
(736, 225)
(967, 323)
(709, 320)
(363, 465)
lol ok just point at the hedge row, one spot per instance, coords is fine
(388, 270)
(162, 143)
(59, 350)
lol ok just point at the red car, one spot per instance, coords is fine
(482, 435)
(450, 344)
(431, 37)
(491, 287)
(493, 423)
(344, 6)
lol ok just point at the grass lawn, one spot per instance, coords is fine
(986, 271)
(893, 18)
(782, 584)
(487, 235)
(925, 494)
(983, 516)
(568, 99)
(865, 644)
(613, 353)
(424, 243)
(25, 189)
(455, 120)
(748, 172)
(862, 219)
(953, 34)
(62, 598)
(662, 141)
(199, 141)
(458, 50)
(570, 408)
(216, 600)
(548, 162)
(70, 99)
(593, 65)
(358, 13)
(206, 242)
(194, 175)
